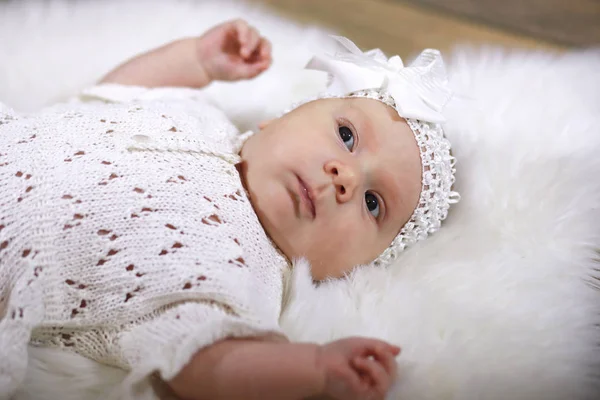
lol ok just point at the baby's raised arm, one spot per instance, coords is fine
(349, 369)
(230, 51)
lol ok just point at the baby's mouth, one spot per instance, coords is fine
(306, 197)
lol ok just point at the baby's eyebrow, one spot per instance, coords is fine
(364, 125)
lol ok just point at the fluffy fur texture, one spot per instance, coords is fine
(501, 303)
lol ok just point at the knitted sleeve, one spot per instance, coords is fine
(163, 345)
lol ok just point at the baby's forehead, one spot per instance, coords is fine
(378, 119)
(372, 110)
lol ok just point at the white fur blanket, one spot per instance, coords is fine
(502, 303)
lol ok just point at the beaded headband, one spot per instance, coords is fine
(418, 93)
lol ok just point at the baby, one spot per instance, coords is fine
(140, 229)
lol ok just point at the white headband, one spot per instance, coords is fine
(420, 90)
(419, 94)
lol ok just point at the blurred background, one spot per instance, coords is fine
(408, 26)
(50, 49)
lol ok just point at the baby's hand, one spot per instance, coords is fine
(233, 50)
(358, 368)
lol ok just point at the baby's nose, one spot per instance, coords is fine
(344, 179)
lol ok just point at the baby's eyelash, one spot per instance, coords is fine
(342, 122)
(382, 206)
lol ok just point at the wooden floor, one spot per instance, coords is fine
(569, 22)
(400, 27)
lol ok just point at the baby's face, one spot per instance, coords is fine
(334, 181)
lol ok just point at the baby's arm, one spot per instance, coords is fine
(251, 369)
(174, 64)
(230, 51)
(348, 369)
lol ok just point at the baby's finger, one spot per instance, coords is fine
(265, 49)
(394, 349)
(371, 347)
(242, 31)
(357, 387)
(387, 359)
(249, 42)
(386, 355)
(250, 70)
(240, 27)
(379, 377)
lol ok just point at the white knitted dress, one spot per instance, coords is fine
(126, 234)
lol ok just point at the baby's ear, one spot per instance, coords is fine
(263, 124)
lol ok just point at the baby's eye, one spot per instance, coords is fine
(347, 137)
(372, 204)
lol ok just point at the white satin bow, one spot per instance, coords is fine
(420, 90)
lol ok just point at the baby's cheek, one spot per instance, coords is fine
(347, 235)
